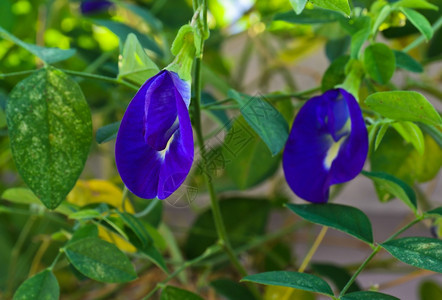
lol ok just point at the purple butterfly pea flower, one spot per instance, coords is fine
(328, 144)
(154, 148)
(94, 6)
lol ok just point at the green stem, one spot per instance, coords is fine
(417, 220)
(299, 95)
(373, 253)
(359, 270)
(59, 254)
(2, 76)
(421, 39)
(16, 251)
(101, 77)
(313, 249)
(209, 251)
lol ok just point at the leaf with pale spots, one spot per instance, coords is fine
(421, 252)
(100, 260)
(50, 129)
(42, 286)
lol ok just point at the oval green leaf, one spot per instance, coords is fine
(301, 281)
(404, 106)
(42, 286)
(379, 62)
(368, 295)
(421, 252)
(390, 185)
(341, 217)
(174, 293)
(134, 64)
(406, 62)
(411, 134)
(337, 5)
(100, 260)
(107, 132)
(265, 120)
(309, 16)
(419, 21)
(47, 113)
(48, 55)
(252, 163)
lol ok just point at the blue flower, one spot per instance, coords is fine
(328, 144)
(94, 6)
(154, 147)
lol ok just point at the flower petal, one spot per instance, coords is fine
(328, 144)
(305, 152)
(353, 152)
(179, 157)
(160, 110)
(138, 164)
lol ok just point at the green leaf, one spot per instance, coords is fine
(309, 16)
(298, 5)
(419, 21)
(85, 231)
(432, 131)
(107, 132)
(47, 113)
(430, 290)
(421, 252)
(406, 62)
(20, 195)
(337, 5)
(134, 64)
(122, 31)
(141, 239)
(379, 62)
(437, 211)
(302, 281)
(251, 163)
(412, 134)
(402, 160)
(267, 122)
(42, 286)
(357, 41)
(338, 275)
(341, 217)
(48, 55)
(100, 260)
(367, 295)
(85, 214)
(380, 135)
(404, 106)
(418, 4)
(354, 71)
(174, 293)
(390, 185)
(145, 14)
(380, 18)
(242, 226)
(335, 73)
(231, 290)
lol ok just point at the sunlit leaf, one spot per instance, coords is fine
(412, 134)
(98, 191)
(419, 21)
(404, 106)
(337, 5)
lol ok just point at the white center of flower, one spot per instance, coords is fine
(163, 152)
(332, 153)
